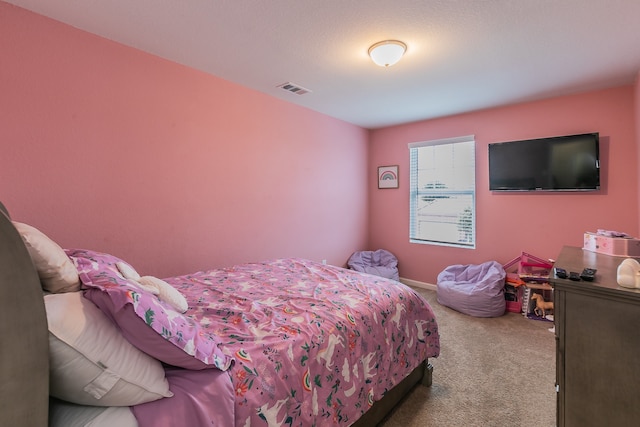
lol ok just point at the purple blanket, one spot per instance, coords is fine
(200, 398)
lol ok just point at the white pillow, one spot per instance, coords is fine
(91, 363)
(57, 272)
(65, 414)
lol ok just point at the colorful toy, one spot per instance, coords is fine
(541, 305)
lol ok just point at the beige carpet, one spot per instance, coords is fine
(491, 372)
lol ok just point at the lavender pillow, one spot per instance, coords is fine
(146, 322)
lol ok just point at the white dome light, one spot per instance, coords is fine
(387, 53)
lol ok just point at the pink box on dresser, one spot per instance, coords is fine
(615, 246)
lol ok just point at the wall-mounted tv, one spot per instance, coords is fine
(561, 163)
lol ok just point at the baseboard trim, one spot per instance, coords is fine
(417, 284)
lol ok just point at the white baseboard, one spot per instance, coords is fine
(417, 284)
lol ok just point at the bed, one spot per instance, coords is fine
(87, 340)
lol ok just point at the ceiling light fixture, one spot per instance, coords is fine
(387, 52)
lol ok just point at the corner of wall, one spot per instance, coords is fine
(636, 114)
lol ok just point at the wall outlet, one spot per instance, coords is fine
(324, 261)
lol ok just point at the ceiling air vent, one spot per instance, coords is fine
(294, 88)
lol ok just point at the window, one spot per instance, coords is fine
(442, 184)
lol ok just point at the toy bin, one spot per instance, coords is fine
(513, 297)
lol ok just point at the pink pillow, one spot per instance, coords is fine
(146, 322)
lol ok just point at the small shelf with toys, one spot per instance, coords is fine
(527, 289)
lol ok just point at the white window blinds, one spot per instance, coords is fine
(442, 186)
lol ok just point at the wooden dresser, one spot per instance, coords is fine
(597, 344)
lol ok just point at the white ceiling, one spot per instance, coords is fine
(463, 55)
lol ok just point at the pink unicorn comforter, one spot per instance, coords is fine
(283, 343)
(312, 344)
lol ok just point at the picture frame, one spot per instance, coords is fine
(388, 176)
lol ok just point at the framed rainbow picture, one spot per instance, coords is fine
(388, 176)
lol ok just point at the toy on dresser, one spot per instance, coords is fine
(629, 273)
(612, 243)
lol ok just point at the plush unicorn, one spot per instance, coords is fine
(158, 287)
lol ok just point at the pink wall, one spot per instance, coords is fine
(109, 148)
(637, 123)
(508, 224)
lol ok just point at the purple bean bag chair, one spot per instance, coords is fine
(476, 290)
(380, 263)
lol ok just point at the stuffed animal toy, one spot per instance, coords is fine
(164, 291)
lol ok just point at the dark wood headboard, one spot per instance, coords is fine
(24, 346)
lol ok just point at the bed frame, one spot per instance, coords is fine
(422, 374)
(24, 349)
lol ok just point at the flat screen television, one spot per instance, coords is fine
(561, 163)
